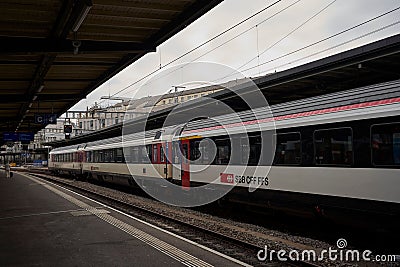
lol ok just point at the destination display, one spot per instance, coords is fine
(25, 137)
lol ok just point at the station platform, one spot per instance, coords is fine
(42, 224)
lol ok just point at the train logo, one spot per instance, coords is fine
(227, 178)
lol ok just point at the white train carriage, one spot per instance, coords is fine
(334, 152)
(67, 160)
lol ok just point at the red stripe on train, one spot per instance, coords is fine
(303, 114)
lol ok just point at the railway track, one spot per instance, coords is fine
(242, 249)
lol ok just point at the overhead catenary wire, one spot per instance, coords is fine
(233, 38)
(199, 46)
(290, 33)
(324, 50)
(285, 55)
(323, 40)
(280, 40)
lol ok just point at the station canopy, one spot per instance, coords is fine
(55, 52)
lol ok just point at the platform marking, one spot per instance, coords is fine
(86, 213)
(42, 213)
(155, 227)
(172, 251)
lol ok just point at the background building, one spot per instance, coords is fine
(97, 117)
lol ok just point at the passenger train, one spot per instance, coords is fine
(335, 155)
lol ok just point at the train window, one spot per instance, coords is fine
(251, 150)
(128, 154)
(288, 149)
(333, 146)
(162, 155)
(88, 156)
(176, 152)
(101, 155)
(223, 151)
(107, 155)
(195, 150)
(207, 151)
(155, 160)
(385, 144)
(146, 154)
(112, 155)
(185, 153)
(119, 155)
(139, 154)
(136, 156)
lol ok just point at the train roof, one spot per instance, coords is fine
(377, 92)
(361, 103)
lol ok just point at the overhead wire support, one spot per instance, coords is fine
(258, 51)
(290, 33)
(332, 47)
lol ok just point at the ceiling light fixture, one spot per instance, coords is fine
(84, 10)
(40, 88)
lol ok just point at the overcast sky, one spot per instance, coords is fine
(264, 43)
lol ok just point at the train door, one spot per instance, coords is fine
(162, 160)
(159, 160)
(168, 159)
(185, 164)
(81, 159)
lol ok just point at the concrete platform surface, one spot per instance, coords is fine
(45, 225)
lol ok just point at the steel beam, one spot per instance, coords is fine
(26, 45)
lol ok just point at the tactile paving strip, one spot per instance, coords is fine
(86, 213)
(172, 251)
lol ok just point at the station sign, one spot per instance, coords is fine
(25, 137)
(45, 118)
(10, 137)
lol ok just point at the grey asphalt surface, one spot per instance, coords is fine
(40, 228)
